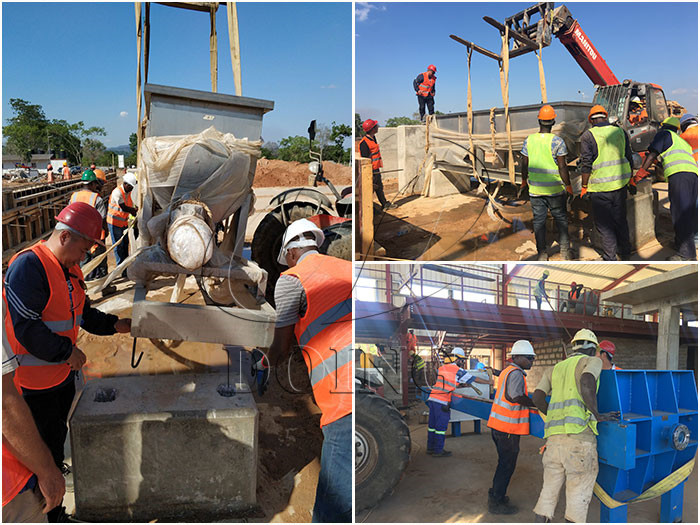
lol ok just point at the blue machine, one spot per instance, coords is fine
(657, 434)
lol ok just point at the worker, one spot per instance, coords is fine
(689, 132)
(510, 419)
(411, 341)
(47, 305)
(606, 353)
(573, 296)
(93, 167)
(369, 149)
(66, 171)
(638, 114)
(49, 173)
(313, 300)
(90, 194)
(540, 290)
(424, 86)
(32, 484)
(606, 160)
(448, 377)
(570, 428)
(681, 173)
(121, 206)
(543, 168)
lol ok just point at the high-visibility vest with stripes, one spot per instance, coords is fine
(86, 196)
(62, 315)
(411, 342)
(14, 475)
(425, 88)
(511, 418)
(611, 170)
(678, 157)
(567, 413)
(374, 152)
(542, 170)
(690, 135)
(325, 331)
(445, 384)
(115, 215)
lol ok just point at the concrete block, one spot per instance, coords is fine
(410, 142)
(443, 182)
(167, 448)
(386, 138)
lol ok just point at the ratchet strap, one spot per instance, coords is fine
(656, 490)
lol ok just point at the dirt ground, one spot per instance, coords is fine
(282, 173)
(459, 227)
(455, 489)
(289, 435)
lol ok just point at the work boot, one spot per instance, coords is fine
(389, 206)
(502, 507)
(442, 454)
(505, 499)
(542, 256)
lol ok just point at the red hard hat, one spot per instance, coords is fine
(573, 283)
(83, 219)
(432, 68)
(607, 346)
(369, 124)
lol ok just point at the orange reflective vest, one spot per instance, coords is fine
(62, 314)
(375, 154)
(638, 118)
(411, 343)
(690, 135)
(66, 173)
(86, 196)
(511, 418)
(445, 384)
(325, 331)
(425, 89)
(14, 475)
(115, 215)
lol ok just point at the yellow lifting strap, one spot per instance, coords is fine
(543, 85)
(470, 114)
(139, 38)
(656, 490)
(503, 68)
(234, 45)
(213, 48)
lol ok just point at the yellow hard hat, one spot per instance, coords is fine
(584, 334)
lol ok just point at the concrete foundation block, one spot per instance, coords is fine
(444, 182)
(166, 448)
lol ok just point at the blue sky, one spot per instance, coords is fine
(394, 42)
(78, 60)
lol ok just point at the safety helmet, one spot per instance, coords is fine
(294, 238)
(546, 113)
(545, 273)
(368, 124)
(432, 68)
(65, 164)
(672, 122)
(459, 352)
(83, 219)
(607, 346)
(584, 339)
(636, 100)
(92, 166)
(573, 283)
(522, 347)
(88, 177)
(688, 118)
(100, 175)
(130, 179)
(597, 111)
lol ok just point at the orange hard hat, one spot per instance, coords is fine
(100, 175)
(607, 346)
(432, 68)
(368, 124)
(82, 219)
(597, 111)
(546, 113)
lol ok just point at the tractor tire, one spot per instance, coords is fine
(338, 241)
(267, 241)
(382, 448)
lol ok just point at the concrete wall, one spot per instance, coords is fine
(387, 140)
(631, 354)
(403, 149)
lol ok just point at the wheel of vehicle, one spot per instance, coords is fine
(338, 242)
(267, 241)
(382, 448)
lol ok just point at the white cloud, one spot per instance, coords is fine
(329, 86)
(679, 91)
(362, 10)
(123, 114)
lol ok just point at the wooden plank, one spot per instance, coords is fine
(367, 205)
(472, 45)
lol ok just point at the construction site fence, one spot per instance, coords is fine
(29, 211)
(487, 286)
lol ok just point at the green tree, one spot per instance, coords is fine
(295, 149)
(26, 130)
(270, 150)
(400, 121)
(131, 158)
(359, 132)
(334, 150)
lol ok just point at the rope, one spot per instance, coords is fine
(234, 45)
(213, 62)
(669, 482)
(492, 123)
(503, 68)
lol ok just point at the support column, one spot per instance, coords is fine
(669, 337)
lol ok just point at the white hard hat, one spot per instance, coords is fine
(522, 347)
(293, 238)
(584, 339)
(458, 351)
(130, 179)
(636, 100)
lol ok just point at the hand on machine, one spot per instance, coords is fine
(260, 370)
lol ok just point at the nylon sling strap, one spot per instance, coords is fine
(503, 69)
(139, 39)
(213, 51)
(470, 114)
(234, 45)
(543, 85)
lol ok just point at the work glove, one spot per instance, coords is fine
(641, 173)
(584, 192)
(632, 187)
(569, 190)
(260, 370)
